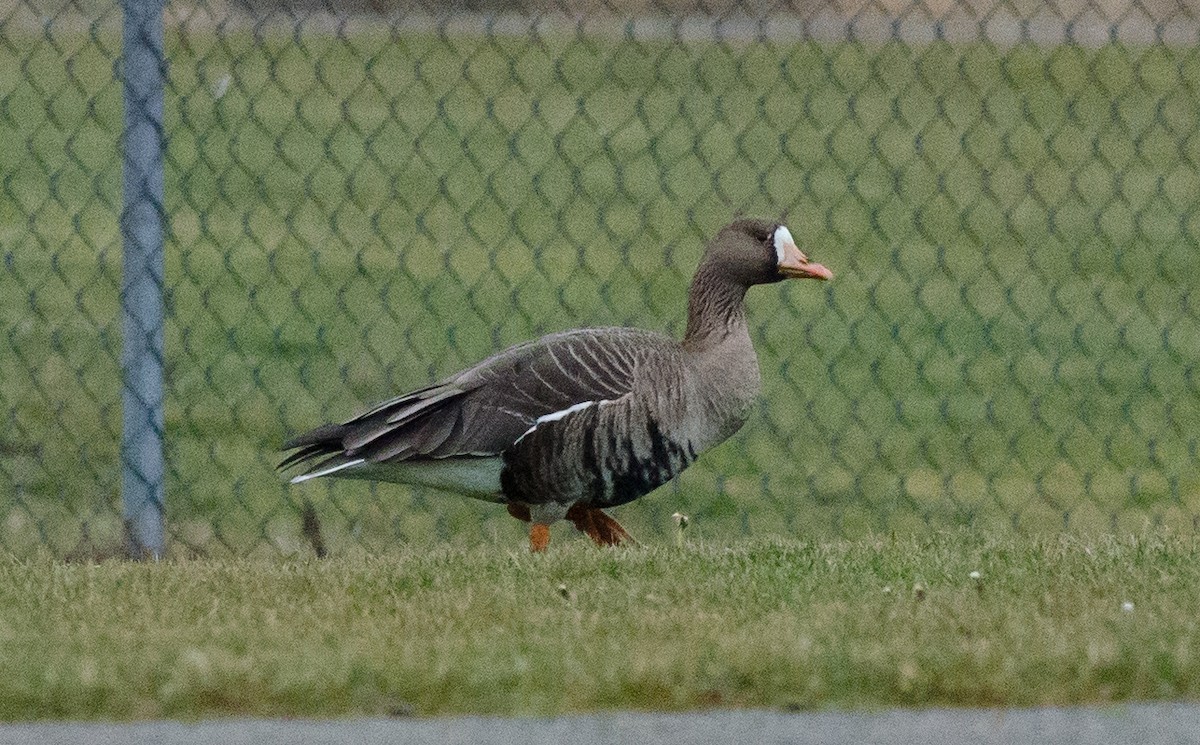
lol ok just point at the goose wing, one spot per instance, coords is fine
(484, 409)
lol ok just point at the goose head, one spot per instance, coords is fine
(754, 252)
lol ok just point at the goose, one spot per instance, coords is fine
(577, 422)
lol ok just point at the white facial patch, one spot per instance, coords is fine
(783, 237)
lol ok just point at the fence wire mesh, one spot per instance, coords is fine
(364, 197)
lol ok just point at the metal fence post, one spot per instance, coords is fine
(142, 279)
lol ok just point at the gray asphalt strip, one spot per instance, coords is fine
(1145, 724)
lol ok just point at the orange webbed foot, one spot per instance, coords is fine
(598, 526)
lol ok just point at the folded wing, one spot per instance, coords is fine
(483, 410)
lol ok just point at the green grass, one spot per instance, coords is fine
(869, 623)
(1012, 336)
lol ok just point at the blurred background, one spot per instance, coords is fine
(362, 197)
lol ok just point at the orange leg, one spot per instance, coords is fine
(539, 533)
(539, 537)
(598, 526)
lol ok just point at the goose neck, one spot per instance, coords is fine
(716, 309)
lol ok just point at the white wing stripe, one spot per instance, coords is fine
(554, 416)
(325, 471)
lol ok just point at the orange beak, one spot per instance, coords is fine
(795, 265)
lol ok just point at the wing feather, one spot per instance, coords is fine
(486, 408)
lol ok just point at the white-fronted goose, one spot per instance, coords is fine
(579, 421)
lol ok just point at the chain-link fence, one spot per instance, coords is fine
(363, 197)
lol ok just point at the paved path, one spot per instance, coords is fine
(1143, 724)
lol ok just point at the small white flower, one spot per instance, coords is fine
(887, 589)
(975, 575)
(1127, 607)
(681, 523)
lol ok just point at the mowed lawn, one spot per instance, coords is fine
(1011, 337)
(950, 619)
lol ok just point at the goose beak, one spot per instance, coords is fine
(793, 264)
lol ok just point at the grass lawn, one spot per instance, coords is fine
(868, 623)
(1012, 336)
